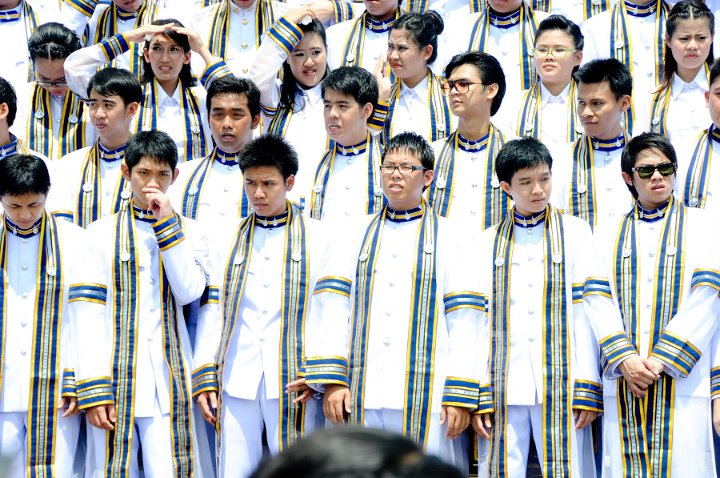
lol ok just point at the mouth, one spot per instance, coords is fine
(99, 125)
(333, 128)
(227, 136)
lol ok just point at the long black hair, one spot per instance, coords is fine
(186, 77)
(290, 87)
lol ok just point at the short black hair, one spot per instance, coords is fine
(116, 82)
(423, 28)
(8, 96)
(559, 22)
(489, 70)
(269, 150)
(414, 144)
(23, 174)
(52, 41)
(607, 69)
(154, 144)
(232, 85)
(522, 153)
(354, 82)
(714, 72)
(641, 143)
(186, 77)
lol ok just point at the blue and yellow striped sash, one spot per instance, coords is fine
(71, 136)
(530, 118)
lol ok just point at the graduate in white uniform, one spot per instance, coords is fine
(393, 349)
(292, 107)
(210, 189)
(466, 188)
(18, 20)
(89, 181)
(540, 377)
(699, 185)
(506, 30)
(251, 347)
(38, 257)
(548, 110)
(587, 182)
(99, 23)
(52, 119)
(632, 33)
(651, 259)
(362, 40)
(134, 359)
(347, 183)
(9, 143)
(172, 101)
(415, 99)
(676, 108)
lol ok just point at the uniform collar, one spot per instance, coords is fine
(125, 15)
(504, 21)
(20, 232)
(359, 148)
(652, 215)
(635, 10)
(548, 97)
(404, 216)
(528, 221)
(271, 222)
(609, 145)
(12, 15)
(143, 215)
(111, 155)
(378, 26)
(700, 81)
(472, 146)
(10, 148)
(714, 134)
(228, 159)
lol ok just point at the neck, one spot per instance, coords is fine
(169, 86)
(236, 2)
(11, 6)
(404, 205)
(5, 137)
(688, 75)
(642, 3)
(617, 131)
(355, 139)
(475, 127)
(556, 88)
(115, 142)
(525, 212)
(649, 206)
(414, 81)
(385, 16)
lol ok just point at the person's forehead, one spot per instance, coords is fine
(94, 95)
(152, 164)
(651, 156)
(467, 71)
(401, 155)
(230, 101)
(23, 199)
(600, 89)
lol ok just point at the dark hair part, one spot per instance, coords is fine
(327, 454)
(560, 22)
(154, 144)
(489, 69)
(354, 82)
(186, 77)
(23, 174)
(116, 82)
(272, 151)
(8, 96)
(290, 86)
(522, 153)
(232, 85)
(423, 28)
(610, 70)
(414, 144)
(684, 10)
(641, 143)
(52, 41)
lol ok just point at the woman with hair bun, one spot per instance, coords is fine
(406, 82)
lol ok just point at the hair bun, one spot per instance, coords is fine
(436, 20)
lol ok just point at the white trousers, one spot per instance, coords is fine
(154, 435)
(13, 439)
(692, 441)
(241, 430)
(521, 422)
(450, 451)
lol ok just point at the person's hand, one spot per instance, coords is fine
(323, 10)
(583, 418)
(457, 419)
(336, 402)
(637, 375)
(297, 15)
(144, 32)
(382, 77)
(300, 387)
(482, 424)
(70, 405)
(207, 401)
(716, 415)
(102, 416)
(654, 365)
(158, 202)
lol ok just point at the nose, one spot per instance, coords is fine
(99, 112)
(585, 111)
(259, 192)
(537, 190)
(227, 122)
(392, 53)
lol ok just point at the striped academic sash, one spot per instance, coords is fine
(71, 136)
(530, 118)
(89, 207)
(696, 184)
(423, 325)
(355, 42)
(220, 27)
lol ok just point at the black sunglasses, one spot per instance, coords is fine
(646, 172)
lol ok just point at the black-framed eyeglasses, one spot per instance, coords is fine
(461, 86)
(56, 83)
(646, 172)
(387, 168)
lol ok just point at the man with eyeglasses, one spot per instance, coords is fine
(391, 341)
(658, 269)
(466, 187)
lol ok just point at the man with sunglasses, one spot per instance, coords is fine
(390, 341)
(651, 259)
(466, 187)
